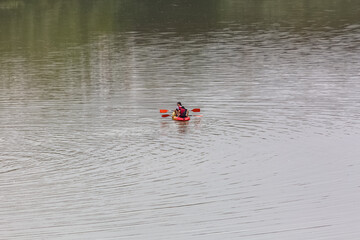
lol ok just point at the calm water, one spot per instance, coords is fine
(85, 153)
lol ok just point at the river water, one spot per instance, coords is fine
(85, 153)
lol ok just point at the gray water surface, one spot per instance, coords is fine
(85, 153)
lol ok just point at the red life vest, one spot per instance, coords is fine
(182, 111)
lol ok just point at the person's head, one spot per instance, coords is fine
(179, 103)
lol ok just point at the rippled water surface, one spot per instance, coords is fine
(85, 153)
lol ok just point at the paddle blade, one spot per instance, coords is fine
(196, 115)
(196, 110)
(165, 115)
(163, 111)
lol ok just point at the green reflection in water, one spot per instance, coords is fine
(48, 40)
(35, 23)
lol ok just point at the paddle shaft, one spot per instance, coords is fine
(168, 115)
(193, 110)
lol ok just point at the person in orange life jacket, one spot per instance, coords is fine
(181, 111)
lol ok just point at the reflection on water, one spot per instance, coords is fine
(85, 153)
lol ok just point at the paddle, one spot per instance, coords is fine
(165, 110)
(168, 115)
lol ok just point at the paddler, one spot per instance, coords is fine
(181, 111)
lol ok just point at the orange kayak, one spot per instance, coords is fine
(174, 117)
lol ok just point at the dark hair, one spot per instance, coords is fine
(179, 103)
